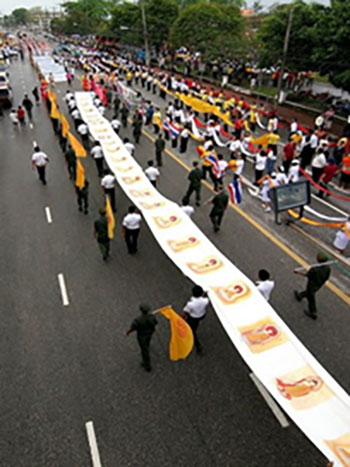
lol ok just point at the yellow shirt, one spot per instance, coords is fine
(273, 138)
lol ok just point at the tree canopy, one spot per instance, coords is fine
(317, 40)
(210, 28)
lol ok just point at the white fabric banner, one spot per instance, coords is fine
(302, 387)
(48, 65)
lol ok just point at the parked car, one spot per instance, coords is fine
(6, 98)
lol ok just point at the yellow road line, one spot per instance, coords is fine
(298, 259)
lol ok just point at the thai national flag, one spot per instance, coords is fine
(235, 191)
(167, 126)
(214, 164)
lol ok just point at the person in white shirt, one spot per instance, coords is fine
(234, 145)
(293, 174)
(13, 117)
(318, 164)
(152, 173)
(187, 209)
(293, 127)
(223, 168)
(40, 161)
(281, 177)
(342, 237)
(260, 164)
(131, 229)
(115, 124)
(265, 285)
(69, 96)
(83, 130)
(108, 186)
(129, 146)
(194, 312)
(97, 154)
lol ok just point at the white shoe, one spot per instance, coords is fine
(267, 209)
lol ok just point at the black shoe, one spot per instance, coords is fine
(198, 204)
(146, 368)
(80, 209)
(216, 229)
(105, 257)
(86, 211)
(297, 296)
(310, 315)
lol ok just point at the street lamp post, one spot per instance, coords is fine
(285, 51)
(145, 32)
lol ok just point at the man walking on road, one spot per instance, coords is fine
(101, 233)
(195, 178)
(316, 276)
(108, 185)
(144, 325)
(83, 197)
(97, 154)
(194, 312)
(131, 229)
(28, 105)
(220, 203)
(160, 146)
(40, 161)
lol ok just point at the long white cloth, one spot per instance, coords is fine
(303, 388)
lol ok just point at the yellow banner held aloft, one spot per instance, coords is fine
(55, 113)
(263, 140)
(110, 218)
(78, 148)
(181, 341)
(64, 125)
(80, 175)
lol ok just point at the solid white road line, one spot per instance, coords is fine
(95, 455)
(48, 215)
(331, 206)
(63, 290)
(270, 402)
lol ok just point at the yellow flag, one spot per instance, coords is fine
(181, 341)
(55, 113)
(263, 140)
(80, 176)
(110, 218)
(78, 148)
(65, 125)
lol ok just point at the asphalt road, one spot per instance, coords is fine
(63, 366)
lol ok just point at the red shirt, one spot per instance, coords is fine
(20, 114)
(329, 172)
(288, 151)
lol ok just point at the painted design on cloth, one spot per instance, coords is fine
(262, 335)
(341, 448)
(157, 204)
(164, 222)
(183, 243)
(131, 180)
(123, 169)
(232, 293)
(303, 388)
(209, 264)
(140, 193)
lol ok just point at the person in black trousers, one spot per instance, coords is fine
(131, 229)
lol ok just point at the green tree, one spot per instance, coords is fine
(211, 28)
(20, 16)
(85, 16)
(303, 37)
(184, 3)
(331, 53)
(126, 22)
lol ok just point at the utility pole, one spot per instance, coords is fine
(145, 32)
(285, 51)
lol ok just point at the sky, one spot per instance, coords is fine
(6, 6)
